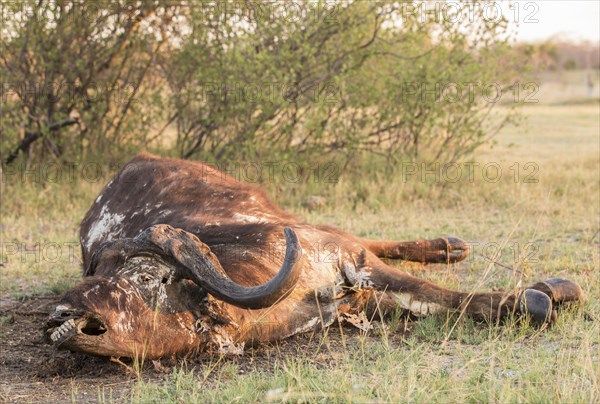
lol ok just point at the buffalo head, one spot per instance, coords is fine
(157, 294)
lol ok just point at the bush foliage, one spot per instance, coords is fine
(238, 80)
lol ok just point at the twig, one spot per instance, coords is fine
(33, 136)
(512, 269)
(118, 360)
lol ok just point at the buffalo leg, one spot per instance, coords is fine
(441, 250)
(422, 297)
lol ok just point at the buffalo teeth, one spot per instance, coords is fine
(64, 328)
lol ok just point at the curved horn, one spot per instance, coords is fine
(203, 267)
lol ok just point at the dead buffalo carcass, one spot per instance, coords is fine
(180, 257)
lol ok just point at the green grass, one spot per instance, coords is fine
(40, 235)
(498, 371)
(543, 229)
(494, 364)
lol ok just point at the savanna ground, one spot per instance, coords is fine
(538, 222)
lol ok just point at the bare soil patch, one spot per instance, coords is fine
(32, 370)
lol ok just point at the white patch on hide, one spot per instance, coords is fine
(116, 297)
(138, 267)
(123, 324)
(185, 326)
(323, 265)
(164, 212)
(248, 219)
(105, 227)
(358, 277)
(93, 289)
(407, 302)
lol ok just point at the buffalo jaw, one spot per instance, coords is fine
(89, 334)
(80, 331)
(84, 334)
(107, 317)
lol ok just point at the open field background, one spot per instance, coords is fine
(539, 222)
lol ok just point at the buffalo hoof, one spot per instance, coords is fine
(537, 305)
(562, 291)
(458, 249)
(446, 250)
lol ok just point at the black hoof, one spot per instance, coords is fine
(561, 291)
(537, 305)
